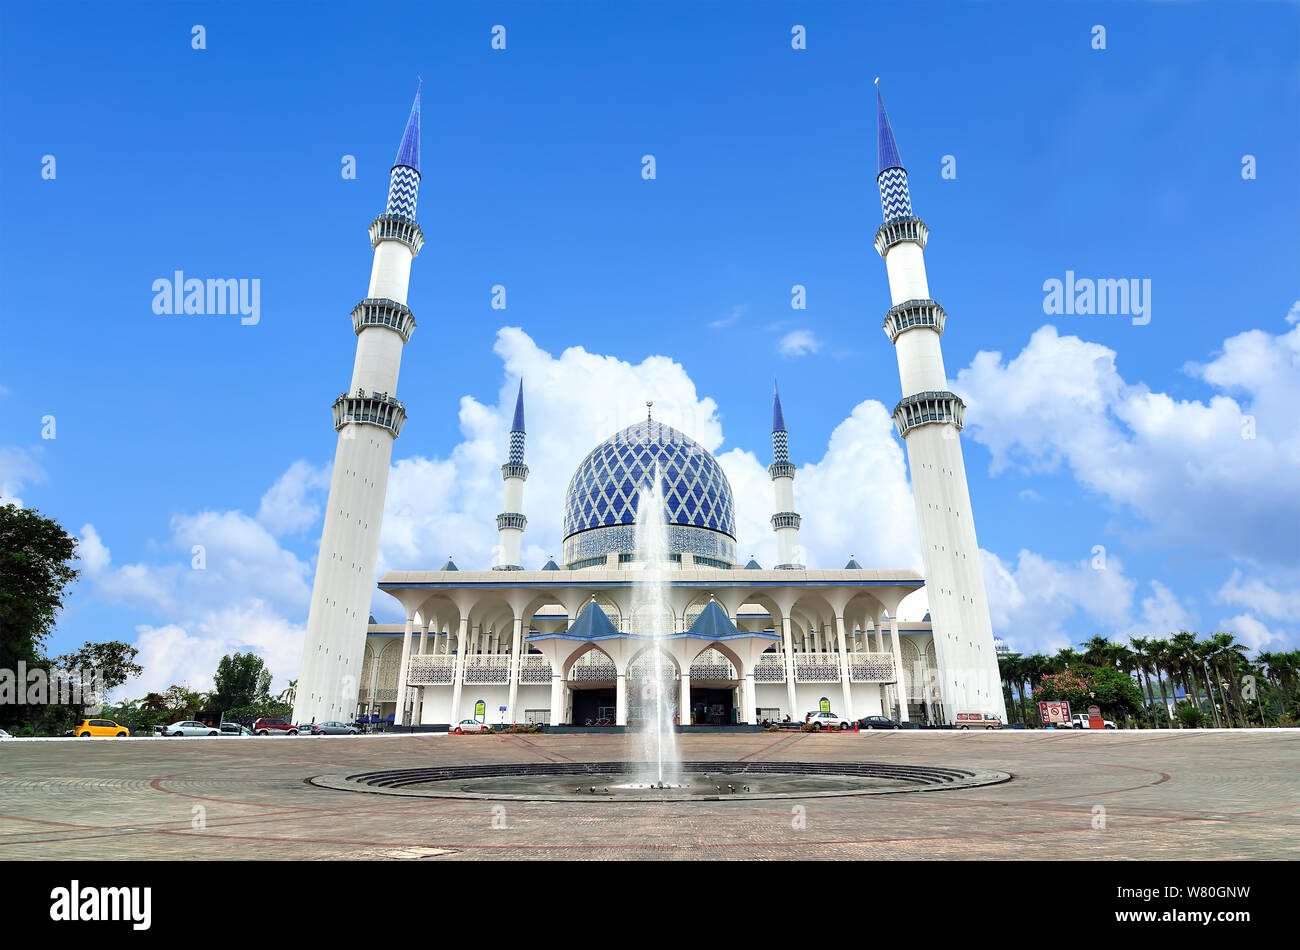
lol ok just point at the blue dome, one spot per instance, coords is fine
(604, 490)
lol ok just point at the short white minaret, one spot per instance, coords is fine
(929, 418)
(368, 418)
(786, 520)
(511, 522)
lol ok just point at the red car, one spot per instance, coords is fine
(266, 726)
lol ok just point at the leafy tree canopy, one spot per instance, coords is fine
(36, 557)
(241, 680)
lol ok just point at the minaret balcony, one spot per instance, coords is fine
(378, 409)
(925, 408)
(786, 519)
(397, 227)
(514, 470)
(511, 519)
(898, 230)
(911, 314)
(781, 470)
(382, 312)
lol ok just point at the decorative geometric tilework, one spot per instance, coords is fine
(780, 446)
(605, 489)
(516, 448)
(895, 201)
(403, 191)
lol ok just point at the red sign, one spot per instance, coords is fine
(1055, 714)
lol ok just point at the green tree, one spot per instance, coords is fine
(36, 557)
(241, 680)
(1084, 684)
(106, 666)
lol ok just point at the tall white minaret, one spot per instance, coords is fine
(786, 520)
(368, 418)
(929, 418)
(511, 522)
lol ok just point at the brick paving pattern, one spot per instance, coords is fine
(1165, 795)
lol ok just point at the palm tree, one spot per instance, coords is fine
(1203, 653)
(1096, 650)
(288, 695)
(1183, 645)
(1160, 658)
(1229, 656)
(1142, 662)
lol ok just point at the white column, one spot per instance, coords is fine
(789, 667)
(620, 700)
(516, 661)
(684, 698)
(459, 681)
(844, 669)
(557, 698)
(900, 688)
(424, 639)
(399, 714)
(751, 700)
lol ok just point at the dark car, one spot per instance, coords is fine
(270, 725)
(878, 722)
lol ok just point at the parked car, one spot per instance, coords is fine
(467, 725)
(827, 720)
(100, 727)
(235, 729)
(333, 729)
(5, 735)
(271, 725)
(977, 720)
(189, 727)
(878, 722)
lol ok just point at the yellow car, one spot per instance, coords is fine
(100, 727)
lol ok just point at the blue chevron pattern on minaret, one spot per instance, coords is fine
(895, 201)
(517, 430)
(404, 178)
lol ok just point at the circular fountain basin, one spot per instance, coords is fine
(628, 782)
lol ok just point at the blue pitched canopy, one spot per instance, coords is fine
(450, 566)
(591, 624)
(550, 565)
(712, 623)
(408, 153)
(853, 565)
(753, 565)
(889, 157)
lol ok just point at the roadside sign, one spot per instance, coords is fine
(825, 705)
(1055, 714)
(480, 709)
(1094, 718)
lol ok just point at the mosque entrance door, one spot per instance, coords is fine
(593, 705)
(712, 706)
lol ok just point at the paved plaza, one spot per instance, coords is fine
(1144, 795)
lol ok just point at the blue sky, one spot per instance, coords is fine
(225, 162)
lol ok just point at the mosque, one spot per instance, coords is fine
(566, 643)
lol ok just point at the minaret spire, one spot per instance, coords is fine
(511, 522)
(786, 521)
(929, 419)
(368, 418)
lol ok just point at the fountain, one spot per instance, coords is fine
(652, 618)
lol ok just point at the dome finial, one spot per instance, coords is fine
(649, 403)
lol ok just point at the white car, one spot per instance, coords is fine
(189, 728)
(5, 735)
(466, 725)
(827, 720)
